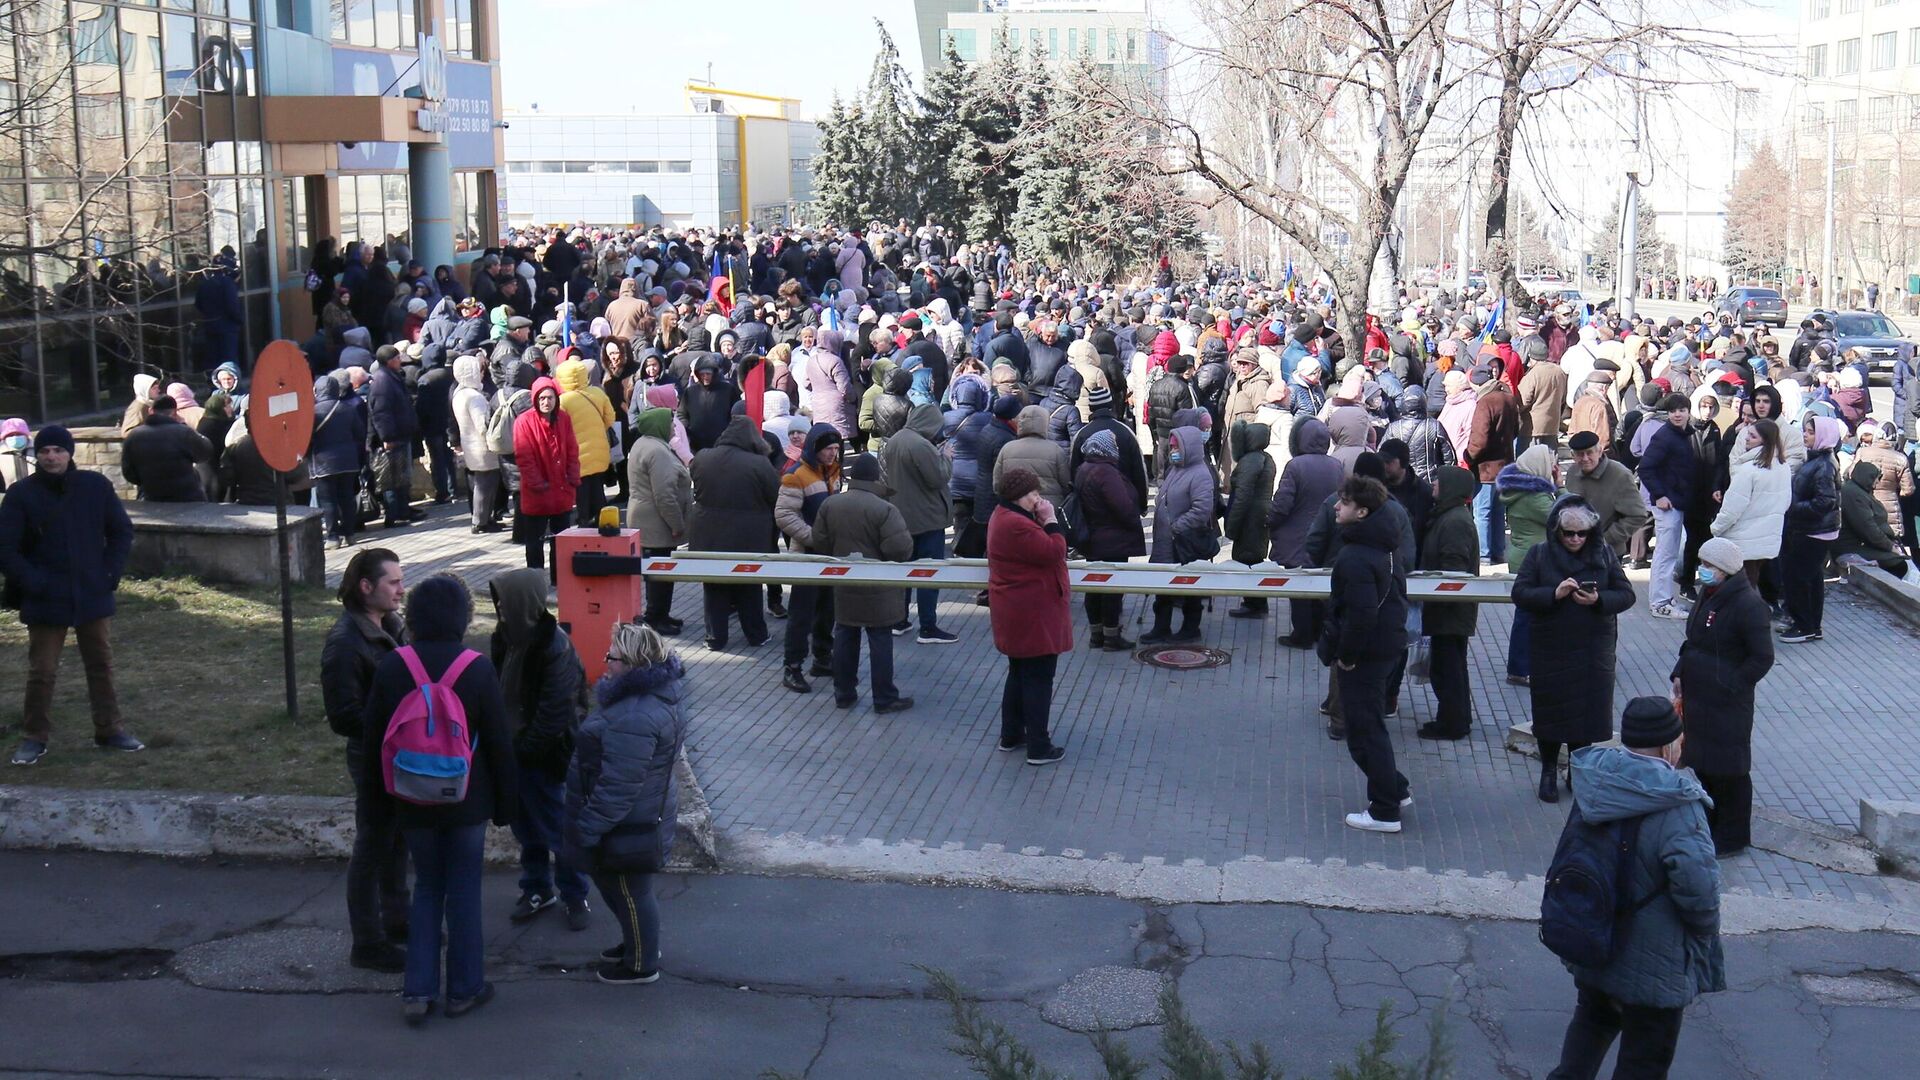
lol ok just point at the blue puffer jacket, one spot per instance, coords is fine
(1063, 406)
(1671, 953)
(967, 395)
(339, 430)
(623, 756)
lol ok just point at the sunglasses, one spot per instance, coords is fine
(1581, 534)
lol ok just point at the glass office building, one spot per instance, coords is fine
(147, 145)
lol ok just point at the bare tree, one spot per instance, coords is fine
(1340, 95)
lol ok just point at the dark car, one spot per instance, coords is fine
(1875, 335)
(1749, 304)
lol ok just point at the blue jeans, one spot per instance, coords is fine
(537, 828)
(446, 888)
(1490, 519)
(1520, 644)
(929, 545)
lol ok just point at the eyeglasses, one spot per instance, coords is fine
(1576, 534)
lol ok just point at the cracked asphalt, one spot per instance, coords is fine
(126, 966)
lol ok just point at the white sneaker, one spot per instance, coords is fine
(1668, 611)
(1364, 821)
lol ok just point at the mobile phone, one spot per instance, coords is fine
(1589, 586)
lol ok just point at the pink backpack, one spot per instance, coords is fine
(427, 753)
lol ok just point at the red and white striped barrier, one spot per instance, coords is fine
(1199, 579)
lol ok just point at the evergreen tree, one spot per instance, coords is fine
(942, 142)
(887, 141)
(1755, 240)
(835, 172)
(986, 169)
(1652, 253)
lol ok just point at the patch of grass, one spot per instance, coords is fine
(198, 672)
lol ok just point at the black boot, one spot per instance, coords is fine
(1159, 634)
(1099, 638)
(1549, 791)
(1116, 642)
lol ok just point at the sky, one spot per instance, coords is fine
(557, 52)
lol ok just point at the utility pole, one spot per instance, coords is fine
(1826, 255)
(1463, 249)
(1627, 268)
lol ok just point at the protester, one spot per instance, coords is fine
(622, 801)
(1450, 545)
(1251, 495)
(471, 412)
(1310, 478)
(15, 456)
(659, 502)
(859, 521)
(394, 425)
(1728, 650)
(1667, 475)
(592, 419)
(918, 476)
(548, 461)
(1114, 532)
(1527, 490)
(1670, 942)
(163, 455)
(1365, 635)
(1813, 524)
(1754, 511)
(1572, 589)
(445, 841)
(804, 488)
(735, 487)
(1183, 531)
(1032, 622)
(64, 542)
(1033, 451)
(1493, 431)
(544, 686)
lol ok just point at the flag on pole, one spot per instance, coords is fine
(566, 314)
(1494, 318)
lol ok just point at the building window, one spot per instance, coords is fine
(519, 166)
(1846, 115)
(962, 42)
(1886, 50)
(1819, 9)
(1053, 41)
(457, 36)
(1849, 7)
(1848, 60)
(1113, 44)
(1880, 114)
(1817, 61)
(1815, 116)
(1913, 45)
(643, 166)
(607, 167)
(1073, 41)
(1132, 43)
(1013, 40)
(679, 166)
(1913, 112)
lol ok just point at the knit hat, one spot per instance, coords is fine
(1723, 554)
(1527, 324)
(1649, 723)
(1178, 363)
(416, 306)
(864, 467)
(1482, 374)
(1099, 397)
(1101, 446)
(53, 435)
(1007, 406)
(1017, 483)
(1583, 440)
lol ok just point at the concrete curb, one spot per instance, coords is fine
(254, 826)
(1901, 600)
(1328, 884)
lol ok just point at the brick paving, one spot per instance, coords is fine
(1218, 764)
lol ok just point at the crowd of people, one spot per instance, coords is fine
(886, 394)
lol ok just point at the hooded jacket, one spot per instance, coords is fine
(1670, 952)
(1527, 499)
(918, 474)
(859, 521)
(890, 406)
(339, 443)
(1310, 477)
(707, 409)
(805, 486)
(1452, 543)
(390, 408)
(1815, 507)
(1427, 442)
(990, 436)
(1367, 608)
(659, 488)
(546, 456)
(1864, 528)
(1251, 487)
(592, 415)
(541, 677)
(1667, 466)
(1063, 406)
(1350, 432)
(1573, 644)
(622, 771)
(1031, 449)
(1753, 512)
(734, 489)
(1896, 477)
(967, 395)
(1086, 360)
(1185, 504)
(1130, 462)
(471, 410)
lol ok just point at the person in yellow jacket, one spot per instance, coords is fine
(592, 415)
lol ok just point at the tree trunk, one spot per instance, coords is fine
(1500, 248)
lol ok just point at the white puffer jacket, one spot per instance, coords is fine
(470, 410)
(1753, 512)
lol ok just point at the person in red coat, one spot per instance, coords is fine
(1027, 586)
(548, 458)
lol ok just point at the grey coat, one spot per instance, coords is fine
(860, 521)
(1186, 495)
(622, 771)
(1309, 478)
(1671, 953)
(918, 473)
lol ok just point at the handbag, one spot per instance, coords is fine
(637, 848)
(1197, 546)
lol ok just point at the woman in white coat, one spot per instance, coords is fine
(471, 410)
(1754, 510)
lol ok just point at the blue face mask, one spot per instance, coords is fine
(16, 442)
(1175, 457)
(1708, 577)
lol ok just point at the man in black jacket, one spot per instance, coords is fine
(545, 689)
(162, 455)
(395, 426)
(1365, 633)
(1169, 394)
(371, 590)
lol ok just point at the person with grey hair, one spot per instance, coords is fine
(1572, 588)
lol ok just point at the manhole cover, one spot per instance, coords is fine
(1183, 657)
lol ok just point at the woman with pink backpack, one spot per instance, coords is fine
(447, 763)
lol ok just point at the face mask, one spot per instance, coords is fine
(1175, 457)
(1708, 577)
(16, 442)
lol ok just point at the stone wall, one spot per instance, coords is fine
(98, 449)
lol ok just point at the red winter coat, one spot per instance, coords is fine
(1165, 347)
(547, 456)
(1027, 585)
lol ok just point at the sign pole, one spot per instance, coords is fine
(286, 592)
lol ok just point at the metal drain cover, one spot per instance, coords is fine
(1183, 657)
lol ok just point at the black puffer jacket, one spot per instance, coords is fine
(1367, 612)
(1816, 496)
(160, 458)
(1427, 442)
(1729, 649)
(734, 489)
(706, 409)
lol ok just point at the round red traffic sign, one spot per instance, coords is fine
(280, 405)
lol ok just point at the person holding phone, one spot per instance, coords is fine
(1572, 590)
(1032, 620)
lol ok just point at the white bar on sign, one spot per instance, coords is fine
(282, 403)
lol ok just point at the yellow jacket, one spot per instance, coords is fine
(591, 413)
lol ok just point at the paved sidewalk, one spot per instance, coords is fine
(1231, 762)
(125, 966)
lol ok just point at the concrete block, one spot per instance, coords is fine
(148, 822)
(1892, 828)
(1901, 600)
(224, 543)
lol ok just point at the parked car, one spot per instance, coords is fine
(1753, 304)
(1875, 335)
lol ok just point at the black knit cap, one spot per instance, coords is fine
(1648, 723)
